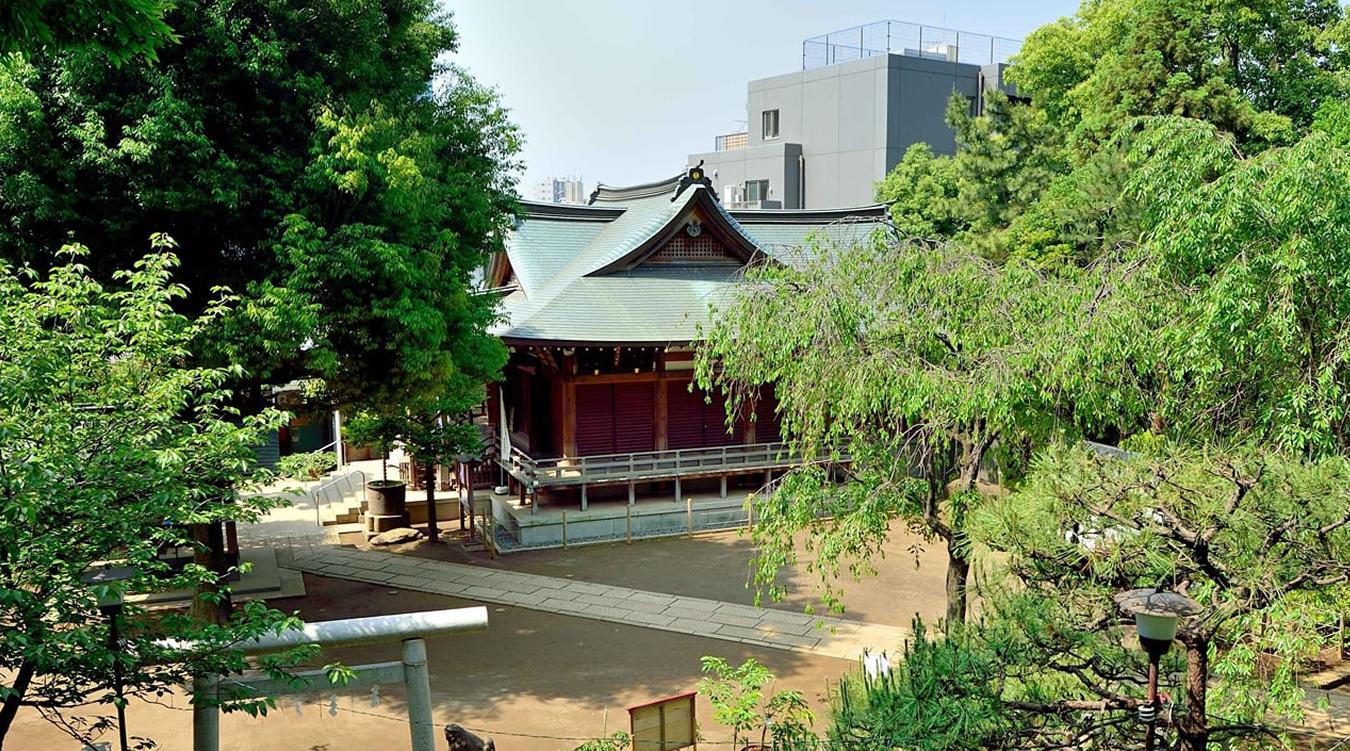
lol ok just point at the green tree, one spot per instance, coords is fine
(433, 431)
(619, 741)
(1258, 538)
(316, 157)
(111, 449)
(1004, 159)
(922, 194)
(1246, 259)
(943, 695)
(737, 695)
(1257, 70)
(119, 29)
(922, 363)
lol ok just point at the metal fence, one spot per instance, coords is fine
(730, 141)
(904, 38)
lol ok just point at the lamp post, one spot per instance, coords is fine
(107, 586)
(1157, 615)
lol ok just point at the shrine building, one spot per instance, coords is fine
(602, 305)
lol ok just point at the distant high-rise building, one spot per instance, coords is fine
(561, 190)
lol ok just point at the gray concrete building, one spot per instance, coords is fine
(823, 136)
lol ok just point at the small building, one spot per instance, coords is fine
(824, 135)
(602, 305)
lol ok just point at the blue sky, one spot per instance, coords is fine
(621, 92)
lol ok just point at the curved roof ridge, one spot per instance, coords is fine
(550, 210)
(615, 194)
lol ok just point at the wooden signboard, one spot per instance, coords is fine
(665, 724)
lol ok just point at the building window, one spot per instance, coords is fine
(756, 190)
(770, 118)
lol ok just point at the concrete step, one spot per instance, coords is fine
(344, 511)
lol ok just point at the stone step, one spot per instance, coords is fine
(1333, 677)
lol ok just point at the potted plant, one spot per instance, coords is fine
(432, 431)
(738, 701)
(384, 497)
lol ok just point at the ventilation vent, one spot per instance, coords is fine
(683, 250)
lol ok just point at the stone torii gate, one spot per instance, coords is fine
(411, 670)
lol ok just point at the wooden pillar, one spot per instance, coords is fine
(232, 540)
(632, 492)
(569, 413)
(661, 419)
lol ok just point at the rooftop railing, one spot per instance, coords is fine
(904, 38)
(730, 141)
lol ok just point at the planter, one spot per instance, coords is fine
(386, 498)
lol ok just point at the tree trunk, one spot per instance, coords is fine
(433, 532)
(11, 705)
(210, 553)
(958, 571)
(1193, 726)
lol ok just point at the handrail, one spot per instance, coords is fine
(316, 492)
(644, 465)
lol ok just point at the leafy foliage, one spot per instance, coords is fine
(1148, 251)
(1256, 70)
(316, 157)
(738, 700)
(1046, 180)
(1258, 246)
(942, 695)
(919, 361)
(110, 448)
(119, 29)
(922, 195)
(617, 742)
(1257, 537)
(308, 465)
(1004, 159)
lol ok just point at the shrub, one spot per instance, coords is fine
(616, 742)
(310, 465)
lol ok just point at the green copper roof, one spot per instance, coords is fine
(570, 290)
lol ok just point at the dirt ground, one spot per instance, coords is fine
(539, 681)
(910, 580)
(532, 674)
(541, 674)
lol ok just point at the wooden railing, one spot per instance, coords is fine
(647, 465)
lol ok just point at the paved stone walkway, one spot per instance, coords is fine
(833, 637)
